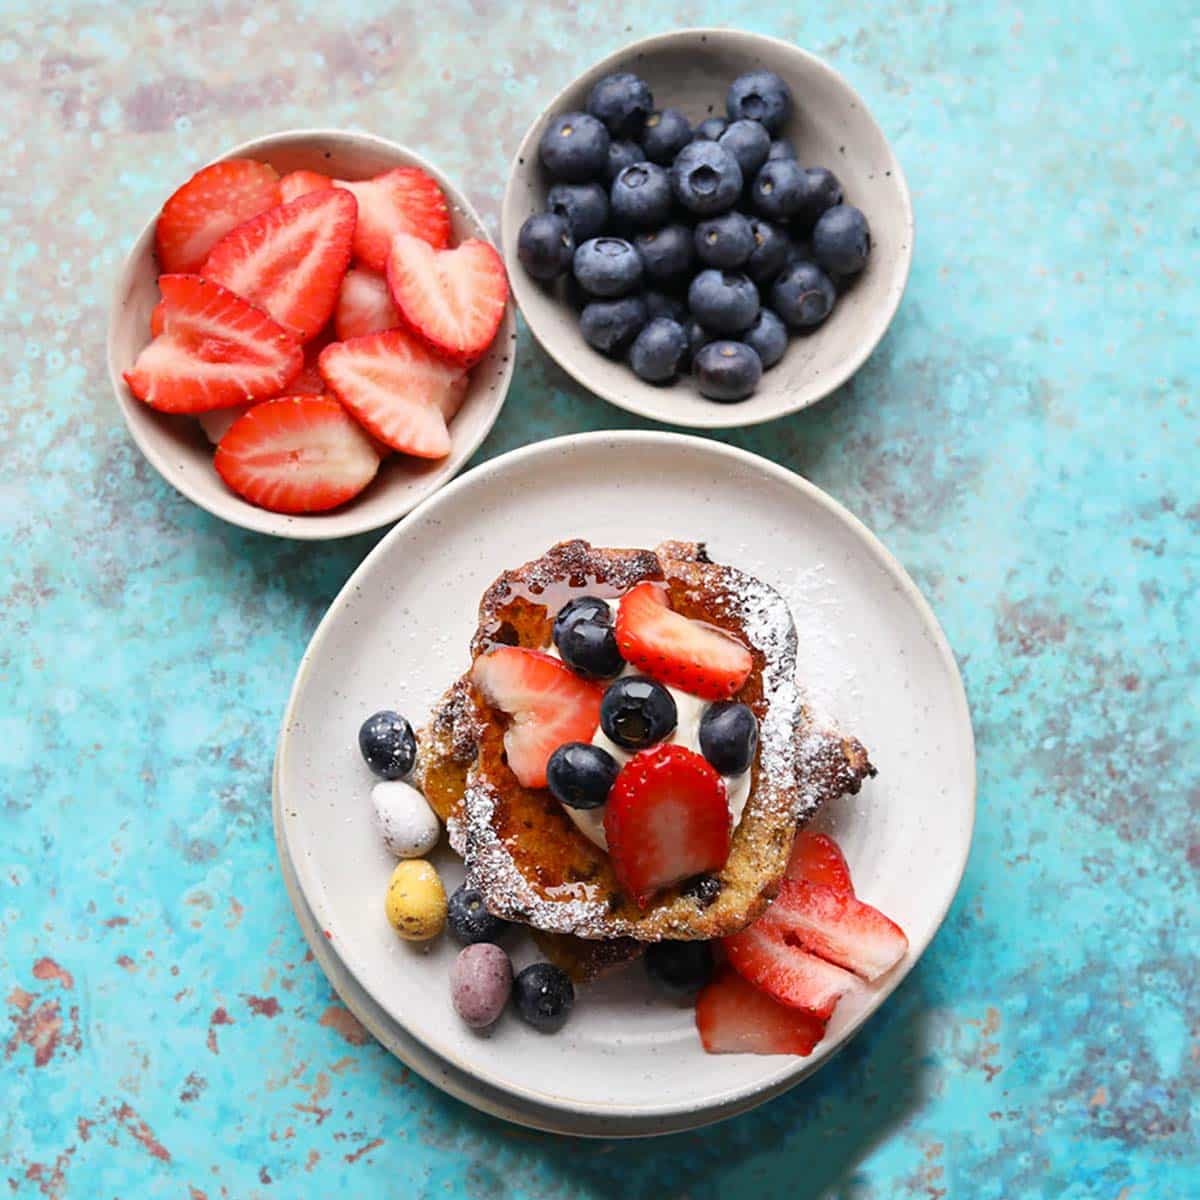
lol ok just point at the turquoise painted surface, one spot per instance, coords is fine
(1024, 440)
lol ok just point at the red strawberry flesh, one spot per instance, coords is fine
(300, 183)
(734, 1018)
(364, 306)
(403, 200)
(819, 859)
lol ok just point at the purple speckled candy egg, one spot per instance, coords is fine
(480, 982)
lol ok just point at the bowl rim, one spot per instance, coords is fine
(639, 397)
(243, 514)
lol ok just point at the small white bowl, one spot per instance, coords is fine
(176, 446)
(830, 127)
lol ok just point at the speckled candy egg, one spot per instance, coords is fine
(406, 823)
(416, 901)
(480, 983)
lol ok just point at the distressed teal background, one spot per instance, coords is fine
(1024, 439)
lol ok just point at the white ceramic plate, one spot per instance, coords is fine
(871, 656)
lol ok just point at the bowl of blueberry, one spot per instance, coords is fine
(708, 228)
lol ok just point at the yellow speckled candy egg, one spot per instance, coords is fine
(416, 900)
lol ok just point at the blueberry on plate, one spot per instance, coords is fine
(641, 195)
(729, 736)
(841, 241)
(589, 648)
(710, 129)
(544, 997)
(469, 920)
(608, 266)
(803, 295)
(388, 744)
(727, 371)
(665, 134)
(623, 102)
(780, 190)
(725, 242)
(723, 301)
(610, 325)
(574, 147)
(659, 351)
(706, 178)
(581, 608)
(620, 156)
(749, 143)
(545, 246)
(584, 206)
(636, 712)
(781, 148)
(759, 96)
(767, 337)
(820, 192)
(581, 775)
(660, 304)
(769, 257)
(679, 969)
(667, 253)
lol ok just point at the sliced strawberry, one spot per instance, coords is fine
(290, 260)
(403, 200)
(217, 424)
(214, 201)
(309, 382)
(364, 306)
(762, 955)
(297, 454)
(300, 183)
(819, 859)
(667, 819)
(215, 351)
(549, 705)
(158, 318)
(454, 299)
(397, 389)
(675, 650)
(734, 1018)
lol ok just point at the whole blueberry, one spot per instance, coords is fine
(623, 102)
(544, 997)
(759, 96)
(608, 266)
(727, 371)
(665, 134)
(581, 775)
(584, 207)
(589, 648)
(610, 325)
(781, 148)
(729, 736)
(706, 178)
(388, 744)
(780, 189)
(749, 143)
(545, 246)
(659, 351)
(769, 256)
(620, 156)
(767, 337)
(469, 920)
(679, 969)
(803, 295)
(726, 241)
(641, 195)
(698, 337)
(667, 253)
(820, 192)
(841, 240)
(637, 712)
(574, 147)
(723, 301)
(710, 129)
(581, 608)
(660, 304)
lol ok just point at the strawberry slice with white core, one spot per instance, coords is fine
(676, 650)
(299, 183)
(819, 859)
(667, 819)
(297, 454)
(364, 306)
(403, 200)
(734, 1018)
(215, 351)
(397, 389)
(214, 201)
(548, 703)
(290, 260)
(453, 299)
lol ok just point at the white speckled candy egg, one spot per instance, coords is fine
(407, 824)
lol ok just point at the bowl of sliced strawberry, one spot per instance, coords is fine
(312, 335)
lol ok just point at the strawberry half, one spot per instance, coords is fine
(300, 183)
(734, 1018)
(819, 859)
(675, 650)
(403, 200)
(397, 389)
(215, 351)
(297, 454)
(667, 819)
(453, 299)
(549, 705)
(290, 260)
(364, 305)
(214, 201)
